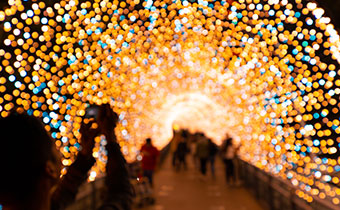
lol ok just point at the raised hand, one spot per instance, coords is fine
(107, 121)
(89, 130)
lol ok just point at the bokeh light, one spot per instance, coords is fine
(265, 71)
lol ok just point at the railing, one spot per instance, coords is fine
(88, 196)
(277, 194)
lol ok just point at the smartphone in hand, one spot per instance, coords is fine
(92, 112)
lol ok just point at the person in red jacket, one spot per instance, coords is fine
(149, 159)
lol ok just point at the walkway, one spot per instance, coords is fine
(184, 190)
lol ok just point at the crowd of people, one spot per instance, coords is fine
(203, 152)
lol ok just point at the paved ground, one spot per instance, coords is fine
(186, 190)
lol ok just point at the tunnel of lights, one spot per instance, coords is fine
(264, 71)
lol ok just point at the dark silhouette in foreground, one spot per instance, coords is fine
(31, 165)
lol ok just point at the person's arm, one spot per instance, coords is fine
(67, 189)
(76, 175)
(119, 192)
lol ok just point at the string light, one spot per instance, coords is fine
(265, 71)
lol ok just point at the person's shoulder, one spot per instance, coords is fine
(155, 149)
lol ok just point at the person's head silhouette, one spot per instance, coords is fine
(30, 164)
(148, 141)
